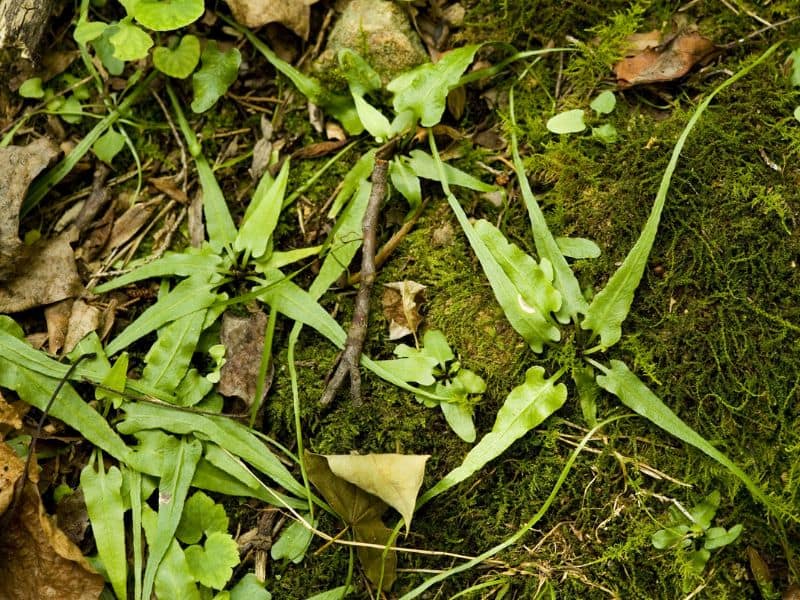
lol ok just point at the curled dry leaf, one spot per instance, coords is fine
(18, 166)
(83, 319)
(39, 560)
(10, 420)
(243, 338)
(57, 317)
(401, 306)
(652, 59)
(293, 14)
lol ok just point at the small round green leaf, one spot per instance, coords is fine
(86, 31)
(570, 121)
(212, 80)
(179, 62)
(108, 145)
(604, 103)
(166, 15)
(105, 50)
(31, 88)
(71, 110)
(130, 42)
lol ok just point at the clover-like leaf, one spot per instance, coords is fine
(109, 145)
(212, 564)
(178, 62)
(130, 42)
(31, 88)
(217, 73)
(570, 121)
(201, 515)
(87, 31)
(166, 15)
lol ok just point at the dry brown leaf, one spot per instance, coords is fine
(293, 14)
(243, 338)
(39, 560)
(10, 418)
(46, 275)
(666, 61)
(170, 188)
(401, 306)
(72, 516)
(57, 318)
(18, 166)
(319, 149)
(82, 321)
(129, 224)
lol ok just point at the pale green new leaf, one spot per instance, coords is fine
(102, 492)
(161, 15)
(572, 300)
(578, 247)
(293, 543)
(423, 90)
(31, 88)
(361, 77)
(416, 369)
(108, 145)
(216, 74)
(353, 180)
(604, 103)
(260, 221)
(202, 262)
(374, 121)
(405, 181)
(610, 307)
(130, 42)
(526, 407)
(114, 381)
(178, 62)
(172, 491)
(459, 417)
(219, 223)
(87, 31)
(189, 296)
(570, 121)
(634, 394)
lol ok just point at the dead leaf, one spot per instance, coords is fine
(82, 321)
(400, 306)
(319, 149)
(362, 512)
(10, 419)
(262, 150)
(46, 275)
(668, 60)
(293, 14)
(18, 166)
(170, 188)
(72, 516)
(394, 478)
(57, 318)
(243, 338)
(130, 222)
(38, 559)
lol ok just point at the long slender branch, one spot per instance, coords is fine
(348, 362)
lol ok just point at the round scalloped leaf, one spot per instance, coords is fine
(130, 42)
(166, 15)
(180, 61)
(212, 564)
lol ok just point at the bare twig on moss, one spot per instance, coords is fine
(349, 359)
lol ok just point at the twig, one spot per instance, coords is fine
(348, 362)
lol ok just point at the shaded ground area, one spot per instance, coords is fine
(714, 329)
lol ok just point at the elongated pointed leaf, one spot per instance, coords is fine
(572, 300)
(173, 578)
(526, 407)
(167, 361)
(424, 165)
(610, 307)
(260, 222)
(203, 262)
(102, 491)
(634, 394)
(189, 296)
(352, 182)
(172, 493)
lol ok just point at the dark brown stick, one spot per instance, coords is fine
(351, 355)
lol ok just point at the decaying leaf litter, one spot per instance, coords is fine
(465, 357)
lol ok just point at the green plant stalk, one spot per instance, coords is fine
(135, 479)
(610, 307)
(49, 180)
(266, 358)
(298, 426)
(499, 67)
(415, 593)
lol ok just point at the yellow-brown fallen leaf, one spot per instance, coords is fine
(83, 319)
(653, 59)
(294, 14)
(38, 559)
(10, 418)
(401, 301)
